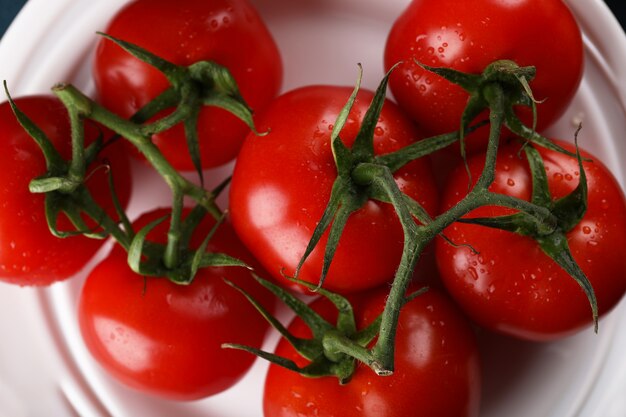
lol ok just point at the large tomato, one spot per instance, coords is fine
(511, 285)
(282, 183)
(436, 368)
(29, 253)
(163, 338)
(468, 36)
(229, 32)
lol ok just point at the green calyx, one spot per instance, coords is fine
(147, 258)
(362, 175)
(333, 348)
(203, 83)
(64, 182)
(514, 81)
(550, 233)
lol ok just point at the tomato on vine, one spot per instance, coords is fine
(228, 32)
(506, 281)
(468, 36)
(164, 338)
(29, 253)
(437, 366)
(283, 181)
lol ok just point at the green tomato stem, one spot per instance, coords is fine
(134, 133)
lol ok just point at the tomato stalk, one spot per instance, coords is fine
(362, 176)
(200, 84)
(537, 214)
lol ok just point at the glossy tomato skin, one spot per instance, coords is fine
(228, 32)
(468, 36)
(29, 253)
(282, 182)
(165, 339)
(511, 286)
(436, 368)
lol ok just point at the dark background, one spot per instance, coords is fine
(619, 10)
(9, 8)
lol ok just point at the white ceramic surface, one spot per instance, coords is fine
(44, 367)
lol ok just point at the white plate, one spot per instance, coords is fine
(46, 371)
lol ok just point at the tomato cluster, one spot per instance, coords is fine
(333, 191)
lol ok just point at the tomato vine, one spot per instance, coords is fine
(361, 176)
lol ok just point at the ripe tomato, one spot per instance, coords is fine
(229, 32)
(29, 253)
(436, 367)
(511, 285)
(282, 183)
(469, 35)
(163, 338)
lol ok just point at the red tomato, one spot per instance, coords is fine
(229, 32)
(165, 339)
(29, 253)
(511, 286)
(282, 182)
(468, 36)
(436, 368)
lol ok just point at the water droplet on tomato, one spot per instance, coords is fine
(592, 243)
(430, 50)
(557, 176)
(379, 131)
(510, 182)
(586, 230)
(472, 271)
